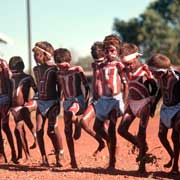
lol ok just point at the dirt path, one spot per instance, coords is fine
(91, 168)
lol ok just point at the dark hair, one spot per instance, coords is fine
(112, 37)
(45, 46)
(113, 40)
(159, 61)
(16, 63)
(62, 55)
(128, 48)
(97, 50)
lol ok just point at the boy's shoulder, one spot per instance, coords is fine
(177, 73)
(76, 69)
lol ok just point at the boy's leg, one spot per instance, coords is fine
(75, 108)
(20, 128)
(176, 145)
(123, 128)
(112, 139)
(40, 122)
(77, 131)
(68, 132)
(6, 129)
(54, 134)
(100, 130)
(26, 114)
(144, 117)
(163, 131)
(19, 144)
(88, 116)
(3, 158)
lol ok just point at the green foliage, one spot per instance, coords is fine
(129, 30)
(156, 30)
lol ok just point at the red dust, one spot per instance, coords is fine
(90, 167)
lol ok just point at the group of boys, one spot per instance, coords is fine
(122, 87)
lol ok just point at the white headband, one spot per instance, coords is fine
(131, 56)
(49, 54)
(164, 70)
(112, 46)
(158, 69)
(100, 59)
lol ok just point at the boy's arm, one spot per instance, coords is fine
(33, 85)
(86, 85)
(8, 74)
(125, 87)
(123, 77)
(155, 102)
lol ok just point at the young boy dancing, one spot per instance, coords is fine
(71, 79)
(169, 84)
(48, 106)
(114, 90)
(97, 52)
(139, 101)
(21, 84)
(5, 103)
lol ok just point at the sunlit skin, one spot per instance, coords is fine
(111, 53)
(163, 77)
(111, 74)
(41, 70)
(40, 57)
(132, 65)
(139, 141)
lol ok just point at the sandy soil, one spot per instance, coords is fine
(91, 168)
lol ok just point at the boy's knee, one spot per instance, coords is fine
(51, 132)
(40, 132)
(83, 122)
(19, 126)
(96, 127)
(161, 135)
(68, 131)
(5, 126)
(175, 136)
(122, 131)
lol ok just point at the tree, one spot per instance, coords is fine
(156, 30)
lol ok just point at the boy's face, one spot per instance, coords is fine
(111, 53)
(132, 65)
(158, 74)
(39, 56)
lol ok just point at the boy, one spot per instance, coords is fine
(48, 105)
(21, 83)
(5, 102)
(70, 78)
(111, 103)
(139, 99)
(169, 83)
(97, 52)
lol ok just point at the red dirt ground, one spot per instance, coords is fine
(91, 168)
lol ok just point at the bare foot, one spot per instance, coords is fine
(3, 158)
(25, 161)
(74, 165)
(100, 148)
(45, 162)
(169, 164)
(174, 172)
(14, 160)
(33, 146)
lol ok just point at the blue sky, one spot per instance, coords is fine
(64, 23)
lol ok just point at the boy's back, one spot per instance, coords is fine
(46, 81)
(71, 81)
